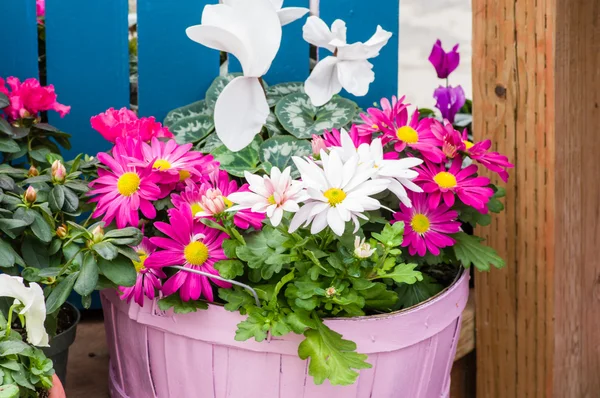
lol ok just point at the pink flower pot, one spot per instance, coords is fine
(156, 354)
(57, 390)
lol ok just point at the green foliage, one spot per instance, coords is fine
(392, 235)
(469, 250)
(179, 306)
(413, 294)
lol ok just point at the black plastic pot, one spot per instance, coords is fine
(58, 351)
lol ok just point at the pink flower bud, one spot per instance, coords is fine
(98, 234)
(58, 171)
(213, 201)
(62, 231)
(30, 195)
(318, 144)
(33, 172)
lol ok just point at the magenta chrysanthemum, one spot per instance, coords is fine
(442, 183)
(148, 280)
(451, 140)
(211, 197)
(121, 190)
(333, 138)
(390, 114)
(492, 161)
(190, 245)
(427, 229)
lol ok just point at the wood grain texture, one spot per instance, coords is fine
(536, 95)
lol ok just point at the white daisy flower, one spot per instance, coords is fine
(338, 192)
(362, 249)
(398, 172)
(272, 194)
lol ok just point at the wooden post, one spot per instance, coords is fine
(536, 70)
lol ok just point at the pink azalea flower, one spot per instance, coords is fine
(40, 8)
(493, 161)
(390, 113)
(148, 279)
(211, 198)
(122, 190)
(441, 183)
(124, 123)
(427, 229)
(191, 245)
(29, 98)
(452, 141)
(333, 138)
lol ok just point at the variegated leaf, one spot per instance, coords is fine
(278, 91)
(273, 126)
(198, 108)
(235, 163)
(217, 87)
(278, 152)
(211, 143)
(192, 129)
(300, 118)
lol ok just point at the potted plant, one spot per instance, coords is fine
(291, 239)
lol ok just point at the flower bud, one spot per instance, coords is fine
(98, 234)
(30, 195)
(330, 291)
(213, 202)
(362, 249)
(58, 171)
(317, 144)
(62, 231)
(33, 172)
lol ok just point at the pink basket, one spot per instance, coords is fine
(157, 354)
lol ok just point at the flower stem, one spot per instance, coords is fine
(10, 315)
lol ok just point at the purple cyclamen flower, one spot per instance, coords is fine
(449, 101)
(444, 62)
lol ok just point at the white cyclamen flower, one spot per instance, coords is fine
(338, 192)
(348, 67)
(398, 172)
(251, 31)
(362, 249)
(34, 307)
(289, 14)
(270, 194)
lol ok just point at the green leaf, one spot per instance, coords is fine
(192, 129)
(8, 256)
(302, 119)
(88, 276)
(9, 391)
(403, 273)
(39, 153)
(279, 91)
(11, 347)
(60, 293)
(264, 251)
(4, 101)
(230, 269)
(235, 298)
(120, 270)
(300, 320)
(216, 88)
(129, 236)
(71, 202)
(331, 357)
(35, 254)
(235, 163)
(469, 250)
(273, 126)
(229, 246)
(255, 325)
(286, 278)
(278, 151)
(392, 235)
(198, 108)
(57, 197)
(470, 215)
(106, 250)
(41, 228)
(8, 145)
(211, 143)
(378, 298)
(410, 295)
(179, 306)
(12, 227)
(494, 205)
(24, 214)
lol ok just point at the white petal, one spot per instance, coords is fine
(410, 185)
(219, 39)
(338, 29)
(300, 217)
(355, 76)
(334, 170)
(240, 112)
(335, 222)
(318, 208)
(362, 51)
(245, 199)
(276, 217)
(317, 33)
(290, 206)
(323, 82)
(311, 174)
(319, 223)
(290, 14)
(398, 190)
(277, 4)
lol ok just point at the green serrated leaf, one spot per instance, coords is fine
(302, 119)
(403, 273)
(235, 298)
(179, 306)
(278, 151)
(469, 250)
(235, 163)
(410, 295)
(230, 269)
(392, 235)
(254, 326)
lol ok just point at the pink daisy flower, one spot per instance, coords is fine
(427, 229)
(122, 190)
(441, 183)
(211, 198)
(493, 161)
(124, 123)
(390, 113)
(333, 137)
(452, 141)
(191, 245)
(148, 279)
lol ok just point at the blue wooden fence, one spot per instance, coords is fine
(88, 55)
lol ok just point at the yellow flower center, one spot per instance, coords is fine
(128, 183)
(407, 134)
(183, 175)
(196, 208)
(334, 196)
(228, 203)
(196, 253)
(271, 200)
(445, 180)
(139, 265)
(468, 144)
(374, 126)
(420, 223)
(162, 165)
